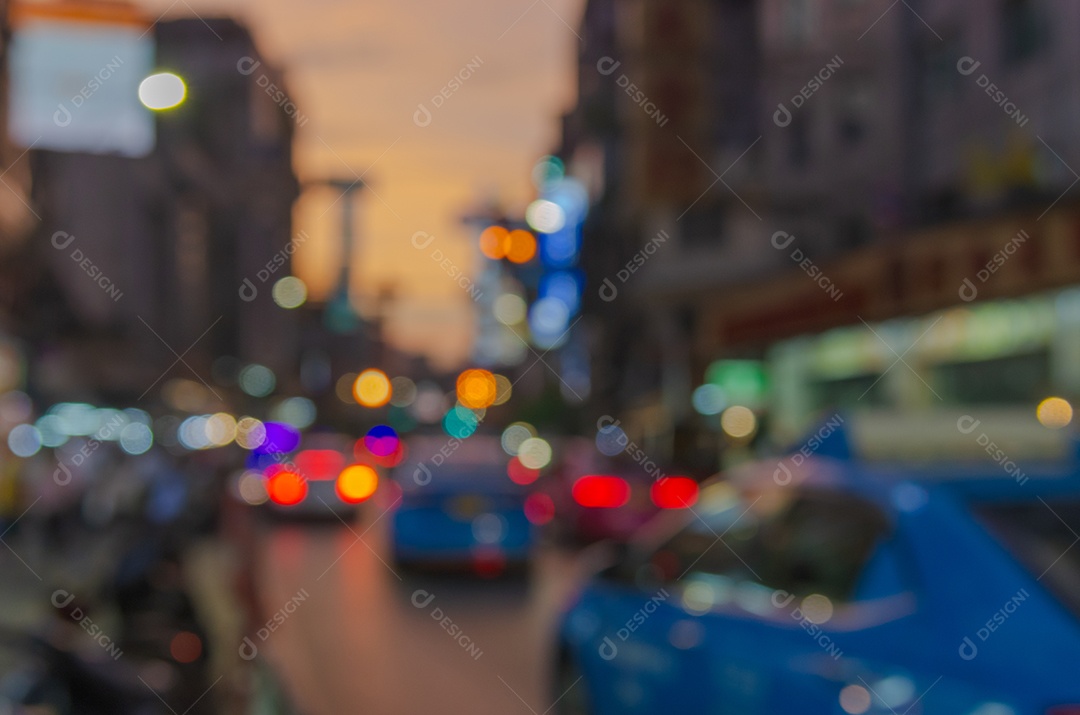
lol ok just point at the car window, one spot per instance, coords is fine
(811, 542)
(1040, 536)
(821, 545)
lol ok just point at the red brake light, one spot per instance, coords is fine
(286, 488)
(319, 463)
(674, 493)
(602, 491)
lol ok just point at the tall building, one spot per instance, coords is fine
(149, 256)
(882, 176)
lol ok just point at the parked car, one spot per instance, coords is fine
(838, 587)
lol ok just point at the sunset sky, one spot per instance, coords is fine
(359, 70)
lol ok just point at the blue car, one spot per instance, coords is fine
(458, 514)
(838, 588)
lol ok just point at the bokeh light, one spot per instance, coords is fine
(357, 483)
(611, 440)
(381, 440)
(136, 438)
(510, 309)
(539, 508)
(372, 388)
(545, 216)
(477, 389)
(494, 242)
(250, 432)
(289, 292)
(24, 440)
(522, 247)
(286, 487)
(547, 171)
(220, 429)
(738, 422)
(430, 403)
(163, 90)
(519, 473)
(251, 487)
(535, 453)
(300, 412)
(460, 422)
(515, 435)
(280, 438)
(503, 390)
(709, 399)
(855, 699)
(1054, 412)
(402, 391)
(257, 380)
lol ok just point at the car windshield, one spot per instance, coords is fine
(1040, 535)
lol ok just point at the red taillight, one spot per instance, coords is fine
(674, 493)
(286, 488)
(601, 491)
(319, 463)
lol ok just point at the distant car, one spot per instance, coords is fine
(460, 511)
(839, 588)
(615, 502)
(319, 480)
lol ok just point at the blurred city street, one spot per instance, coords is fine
(564, 357)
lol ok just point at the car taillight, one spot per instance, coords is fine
(601, 491)
(319, 463)
(674, 493)
(286, 488)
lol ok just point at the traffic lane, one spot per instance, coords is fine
(356, 635)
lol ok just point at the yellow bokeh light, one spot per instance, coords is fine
(522, 247)
(372, 388)
(477, 389)
(357, 483)
(494, 242)
(1054, 412)
(738, 422)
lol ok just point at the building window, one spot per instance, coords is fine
(1022, 31)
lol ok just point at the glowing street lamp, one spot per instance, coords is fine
(163, 90)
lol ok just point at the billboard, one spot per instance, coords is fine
(75, 74)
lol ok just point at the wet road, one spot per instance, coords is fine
(352, 639)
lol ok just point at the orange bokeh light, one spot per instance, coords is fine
(286, 488)
(372, 388)
(357, 483)
(477, 389)
(522, 247)
(494, 242)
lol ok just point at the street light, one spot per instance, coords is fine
(163, 90)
